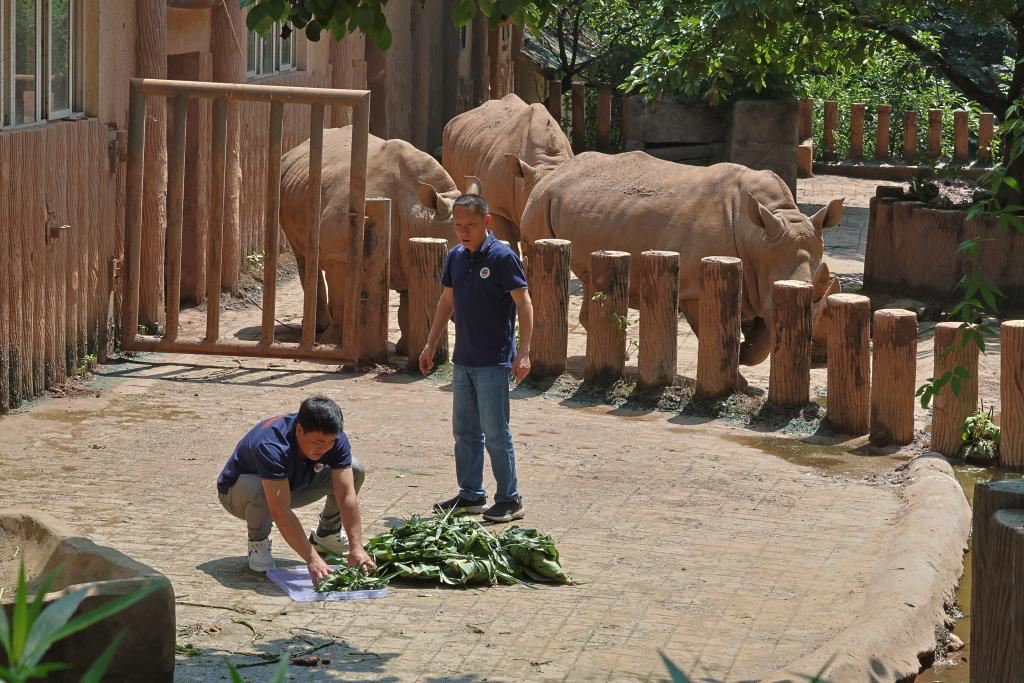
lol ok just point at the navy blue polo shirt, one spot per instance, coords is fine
(271, 451)
(485, 314)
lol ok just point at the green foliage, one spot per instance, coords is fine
(255, 259)
(279, 675)
(32, 629)
(347, 579)
(980, 438)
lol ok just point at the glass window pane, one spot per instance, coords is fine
(287, 48)
(25, 49)
(250, 62)
(268, 54)
(60, 55)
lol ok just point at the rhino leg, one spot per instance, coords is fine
(402, 346)
(337, 285)
(757, 342)
(323, 316)
(585, 306)
(691, 311)
(503, 229)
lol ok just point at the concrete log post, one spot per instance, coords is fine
(718, 341)
(609, 304)
(949, 409)
(547, 268)
(986, 126)
(789, 378)
(806, 118)
(376, 273)
(894, 366)
(909, 134)
(604, 118)
(1011, 395)
(882, 132)
(934, 133)
(857, 131)
(960, 147)
(849, 364)
(659, 318)
(426, 264)
(555, 100)
(579, 117)
(997, 601)
(828, 134)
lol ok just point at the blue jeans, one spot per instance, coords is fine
(480, 417)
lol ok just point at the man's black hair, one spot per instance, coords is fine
(320, 414)
(475, 202)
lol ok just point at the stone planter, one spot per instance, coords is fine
(147, 651)
(912, 251)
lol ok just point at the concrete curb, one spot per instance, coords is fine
(908, 592)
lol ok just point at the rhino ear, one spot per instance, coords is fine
(760, 215)
(828, 216)
(474, 185)
(430, 199)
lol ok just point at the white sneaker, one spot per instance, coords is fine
(260, 559)
(335, 544)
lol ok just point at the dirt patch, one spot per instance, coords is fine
(10, 561)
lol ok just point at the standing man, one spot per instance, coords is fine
(485, 286)
(289, 462)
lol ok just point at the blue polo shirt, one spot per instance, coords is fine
(485, 314)
(271, 451)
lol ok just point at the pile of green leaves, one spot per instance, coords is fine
(533, 554)
(980, 439)
(351, 579)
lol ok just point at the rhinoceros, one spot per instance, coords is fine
(479, 143)
(634, 202)
(421, 193)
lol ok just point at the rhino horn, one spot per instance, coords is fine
(760, 215)
(474, 185)
(828, 216)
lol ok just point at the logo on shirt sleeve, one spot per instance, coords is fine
(485, 273)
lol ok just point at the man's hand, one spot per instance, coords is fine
(427, 359)
(318, 569)
(357, 557)
(521, 366)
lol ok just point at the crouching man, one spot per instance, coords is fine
(289, 462)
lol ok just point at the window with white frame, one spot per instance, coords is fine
(271, 54)
(40, 60)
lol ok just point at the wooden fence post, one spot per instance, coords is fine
(882, 132)
(426, 263)
(806, 114)
(555, 100)
(849, 364)
(604, 118)
(960, 123)
(547, 269)
(789, 377)
(1011, 394)
(949, 410)
(894, 371)
(934, 133)
(609, 304)
(831, 120)
(986, 126)
(857, 131)
(718, 341)
(579, 117)
(659, 318)
(376, 273)
(997, 603)
(909, 134)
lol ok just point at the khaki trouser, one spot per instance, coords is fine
(246, 500)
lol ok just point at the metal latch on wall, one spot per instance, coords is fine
(116, 266)
(53, 230)
(117, 145)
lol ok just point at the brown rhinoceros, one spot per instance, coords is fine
(634, 202)
(477, 142)
(421, 193)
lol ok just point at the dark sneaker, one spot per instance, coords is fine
(506, 511)
(461, 505)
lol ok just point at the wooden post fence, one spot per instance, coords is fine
(604, 118)
(659, 318)
(609, 304)
(1011, 393)
(960, 148)
(986, 126)
(548, 268)
(857, 132)
(934, 133)
(426, 263)
(849, 363)
(894, 373)
(555, 100)
(882, 131)
(997, 601)
(949, 409)
(789, 377)
(579, 117)
(828, 137)
(374, 282)
(909, 135)
(718, 340)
